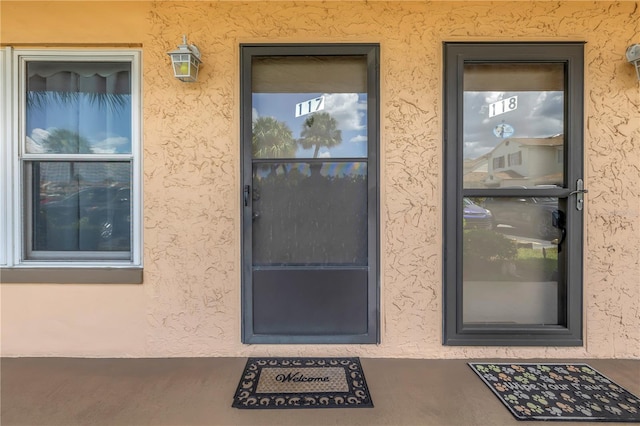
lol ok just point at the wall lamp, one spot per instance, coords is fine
(633, 56)
(186, 61)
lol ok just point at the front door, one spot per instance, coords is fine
(309, 194)
(514, 193)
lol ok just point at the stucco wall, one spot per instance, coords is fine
(189, 304)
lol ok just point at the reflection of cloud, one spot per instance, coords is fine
(359, 138)
(491, 97)
(39, 138)
(40, 135)
(254, 114)
(539, 114)
(35, 142)
(345, 108)
(34, 147)
(475, 149)
(110, 145)
(325, 154)
(549, 104)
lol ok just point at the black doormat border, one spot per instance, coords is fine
(357, 396)
(558, 391)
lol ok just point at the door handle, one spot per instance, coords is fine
(247, 191)
(559, 221)
(579, 193)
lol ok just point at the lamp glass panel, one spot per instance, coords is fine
(181, 65)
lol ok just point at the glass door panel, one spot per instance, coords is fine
(513, 139)
(510, 260)
(513, 132)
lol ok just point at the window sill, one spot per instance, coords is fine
(94, 275)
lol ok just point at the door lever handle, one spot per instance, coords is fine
(247, 190)
(579, 193)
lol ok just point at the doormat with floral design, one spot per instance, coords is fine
(566, 392)
(302, 383)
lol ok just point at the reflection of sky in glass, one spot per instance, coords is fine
(348, 109)
(107, 127)
(539, 114)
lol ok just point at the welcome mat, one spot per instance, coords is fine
(558, 392)
(302, 383)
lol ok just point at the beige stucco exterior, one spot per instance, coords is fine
(189, 303)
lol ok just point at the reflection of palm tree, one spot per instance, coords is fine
(272, 139)
(319, 130)
(63, 141)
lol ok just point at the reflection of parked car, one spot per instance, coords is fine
(476, 216)
(94, 218)
(529, 214)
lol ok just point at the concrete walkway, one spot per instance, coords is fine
(199, 391)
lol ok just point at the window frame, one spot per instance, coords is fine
(16, 265)
(456, 54)
(5, 177)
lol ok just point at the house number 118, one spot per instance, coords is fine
(503, 106)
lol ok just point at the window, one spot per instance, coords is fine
(513, 237)
(74, 151)
(515, 159)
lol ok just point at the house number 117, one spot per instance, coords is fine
(310, 106)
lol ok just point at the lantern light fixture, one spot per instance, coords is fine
(633, 56)
(185, 61)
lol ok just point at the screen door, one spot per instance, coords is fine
(309, 193)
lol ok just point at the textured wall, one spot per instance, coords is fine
(189, 304)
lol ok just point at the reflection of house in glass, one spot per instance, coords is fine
(518, 162)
